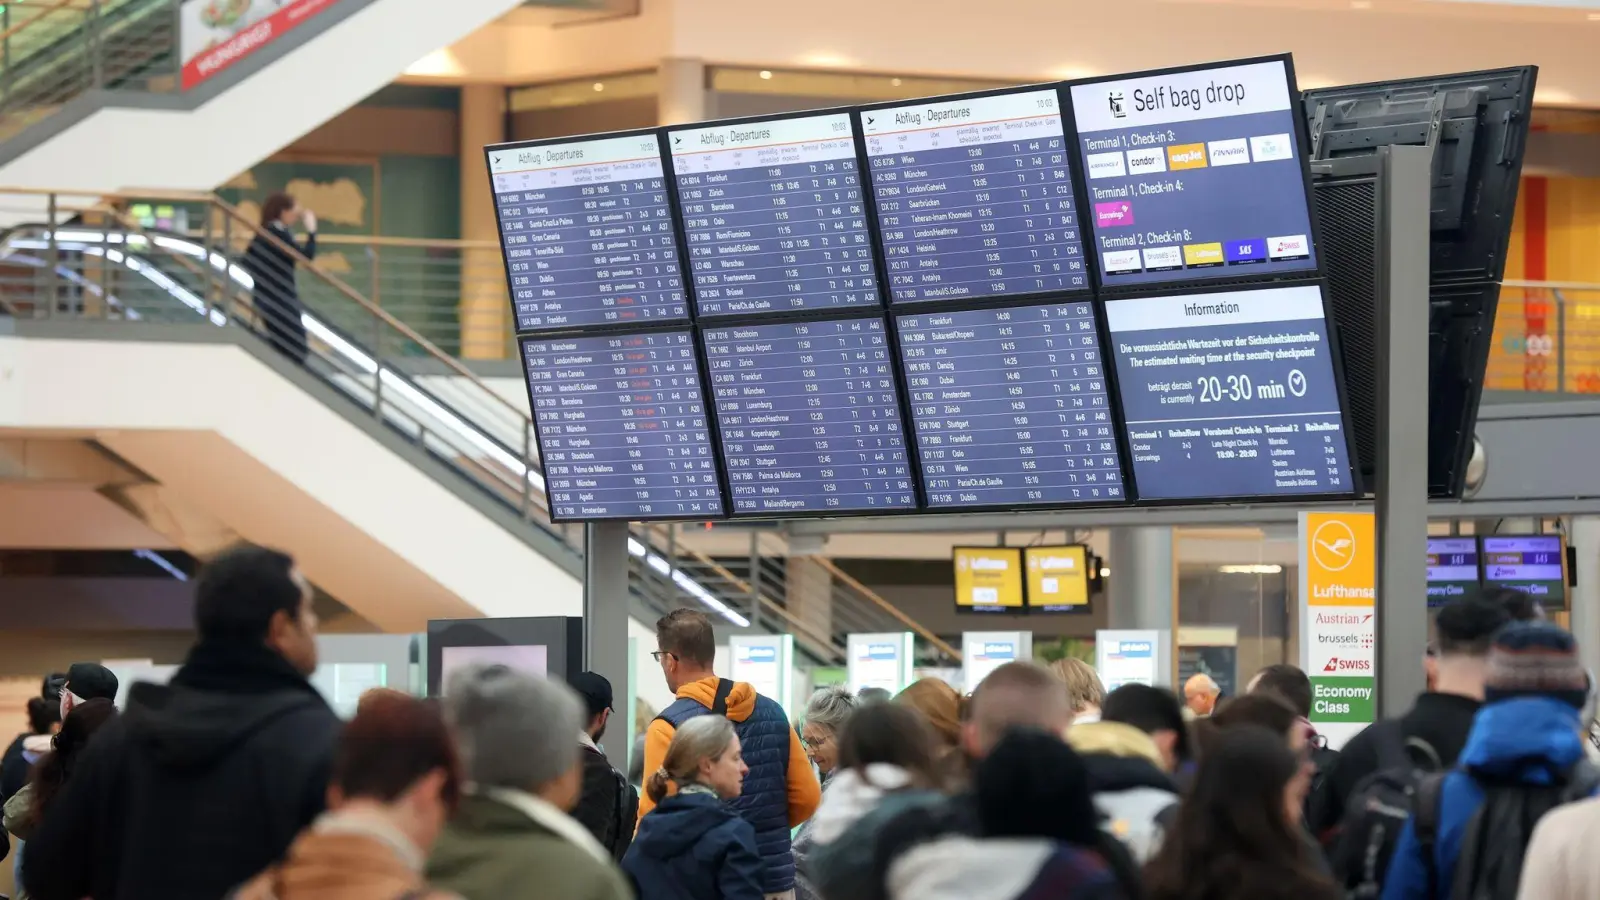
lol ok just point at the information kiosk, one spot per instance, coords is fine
(880, 661)
(984, 651)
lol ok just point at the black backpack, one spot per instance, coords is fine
(1496, 838)
(1378, 810)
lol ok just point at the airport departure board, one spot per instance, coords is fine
(809, 417)
(622, 426)
(773, 215)
(1452, 569)
(1195, 174)
(587, 232)
(1230, 394)
(1011, 406)
(975, 197)
(1533, 563)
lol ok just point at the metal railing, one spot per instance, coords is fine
(54, 51)
(90, 260)
(1546, 339)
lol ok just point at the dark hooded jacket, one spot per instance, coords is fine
(695, 847)
(198, 786)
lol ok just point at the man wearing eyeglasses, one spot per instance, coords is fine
(780, 791)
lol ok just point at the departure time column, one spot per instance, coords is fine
(774, 216)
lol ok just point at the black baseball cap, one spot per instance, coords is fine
(596, 692)
(91, 681)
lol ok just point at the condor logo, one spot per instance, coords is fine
(1335, 664)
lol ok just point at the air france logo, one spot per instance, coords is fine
(1118, 107)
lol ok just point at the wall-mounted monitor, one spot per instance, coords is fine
(587, 231)
(809, 414)
(974, 196)
(773, 215)
(989, 579)
(1536, 564)
(1452, 569)
(1011, 407)
(1195, 174)
(1057, 578)
(1229, 395)
(622, 427)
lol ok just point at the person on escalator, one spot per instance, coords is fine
(270, 259)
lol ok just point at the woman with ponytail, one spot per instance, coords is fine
(692, 846)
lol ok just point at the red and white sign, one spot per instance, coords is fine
(215, 34)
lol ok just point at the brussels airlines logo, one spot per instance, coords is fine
(1118, 108)
(1335, 664)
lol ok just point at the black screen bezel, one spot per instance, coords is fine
(1335, 361)
(887, 293)
(722, 486)
(1109, 291)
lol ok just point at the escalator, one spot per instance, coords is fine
(433, 495)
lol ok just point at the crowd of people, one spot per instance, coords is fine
(236, 780)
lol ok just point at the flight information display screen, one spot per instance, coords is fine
(774, 216)
(1011, 406)
(623, 431)
(810, 417)
(587, 233)
(1230, 394)
(975, 197)
(1535, 564)
(1194, 175)
(1452, 569)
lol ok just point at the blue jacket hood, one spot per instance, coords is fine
(679, 822)
(1525, 737)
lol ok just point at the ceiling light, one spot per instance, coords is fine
(1594, 17)
(1105, 573)
(1269, 569)
(895, 82)
(1360, 4)
(766, 75)
(599, 85)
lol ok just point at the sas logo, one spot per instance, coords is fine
(1335, 664)
(1119, 109)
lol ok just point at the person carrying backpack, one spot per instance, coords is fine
(1471, 825)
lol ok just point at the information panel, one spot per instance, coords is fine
(1010, 406)
(1194, 175)
(1452, 569)
(975, 197)
(1058, 578)
(622, 428)
(587, 233)
(988, 579)
(1230, 394)
(810, 417)
(774, 216)
(1532, 563)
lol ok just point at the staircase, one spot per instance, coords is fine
(104, 269)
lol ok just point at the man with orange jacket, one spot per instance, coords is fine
(780, 792)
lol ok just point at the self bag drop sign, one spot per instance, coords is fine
(1338, 620)
(215, 34)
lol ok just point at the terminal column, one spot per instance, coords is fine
(682, 96)
(808, 592)
(1143, 581)
(485, 308)
(1585, 619)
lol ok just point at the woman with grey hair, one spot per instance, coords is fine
(826, 712)
(512, 838)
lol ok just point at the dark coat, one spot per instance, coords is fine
(196, 788)
(694, 847)
(276, 296)
(608, 806)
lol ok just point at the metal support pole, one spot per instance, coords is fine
(755, 582)
(605, 612)
(672, 562)
(1585, 622)
(52, 258)
(1400, 495)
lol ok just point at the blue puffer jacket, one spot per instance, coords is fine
(693, 847)
(1532, 740)
(768, 798)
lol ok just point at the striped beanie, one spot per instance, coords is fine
(1535, 659)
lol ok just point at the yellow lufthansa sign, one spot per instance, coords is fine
(989, 578)
(1058, 577)
(1340, 558)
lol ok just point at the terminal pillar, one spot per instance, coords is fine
(605, 616)
(1586, 594)
(808, 593)
(1143, 582)
(485, 307)
(682, 97)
